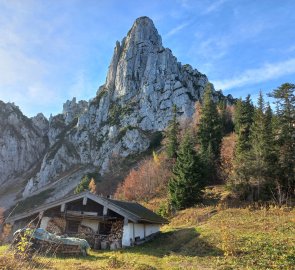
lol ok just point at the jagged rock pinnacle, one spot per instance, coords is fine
(144, 30)
(143, 83)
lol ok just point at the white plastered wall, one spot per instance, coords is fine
(133, 230)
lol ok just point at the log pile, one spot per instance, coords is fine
(113, 240)
(85, 230)
(56, 225)
(116, 231)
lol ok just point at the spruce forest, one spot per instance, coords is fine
(248, 148)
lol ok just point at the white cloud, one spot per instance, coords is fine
(177, 29)
(252, 76)
(215, 5)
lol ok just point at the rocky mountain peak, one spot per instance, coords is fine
(133, 57)
(144, 31)
(125, 118)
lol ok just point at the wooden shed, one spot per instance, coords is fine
(103, 222)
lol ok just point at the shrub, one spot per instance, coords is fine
(147, 181)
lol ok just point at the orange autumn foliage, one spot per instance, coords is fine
(92, 186)
(150, 179)
(227, 155)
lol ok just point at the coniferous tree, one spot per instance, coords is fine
(261, 145)
(271, 151)
(243, 120)
(83, 185)
(186, 184)
(210, 130)
(237, 115)
(210, 134)
(172, 133)
(285, 102)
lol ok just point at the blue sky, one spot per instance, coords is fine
(51, 51)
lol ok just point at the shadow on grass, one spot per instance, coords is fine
(185, 242)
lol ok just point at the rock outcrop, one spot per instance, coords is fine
(22, 141)
(143, 82)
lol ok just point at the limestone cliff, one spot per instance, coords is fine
(144, 80)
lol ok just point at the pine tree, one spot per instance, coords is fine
(285, 101)
(186, 184)
(210, 134)
(210, 129)
(270, 150)
(172, 132)
(92, 186)
(260, 139)
(243, 120)
(237, 115)
(83, 185)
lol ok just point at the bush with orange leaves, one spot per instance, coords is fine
(147, 181)
(227, 156)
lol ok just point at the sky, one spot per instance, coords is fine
(52, 51)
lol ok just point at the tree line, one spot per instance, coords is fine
(249, 148)
(263, 157)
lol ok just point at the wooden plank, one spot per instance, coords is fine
(85, 200)
(81, 213)
(62, 207)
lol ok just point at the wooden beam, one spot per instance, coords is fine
(62, 207)
(41, 215)
(84, 200)
(125, 221)
(105, 210)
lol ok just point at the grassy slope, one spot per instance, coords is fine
(199, 238)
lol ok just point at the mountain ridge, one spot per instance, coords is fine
(143, 82)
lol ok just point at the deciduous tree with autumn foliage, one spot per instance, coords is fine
(146, 181)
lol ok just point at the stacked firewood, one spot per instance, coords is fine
(56, 225)
(85, 230)
(116, 231)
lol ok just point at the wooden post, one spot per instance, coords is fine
(85, 200)
(125, 221)
(62, 207)
(41, 215)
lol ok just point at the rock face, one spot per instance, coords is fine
(144, 80)
(22, 141)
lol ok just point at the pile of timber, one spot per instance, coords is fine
(116, 231)
(56, 225)
(82, 229)
(113, 240)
